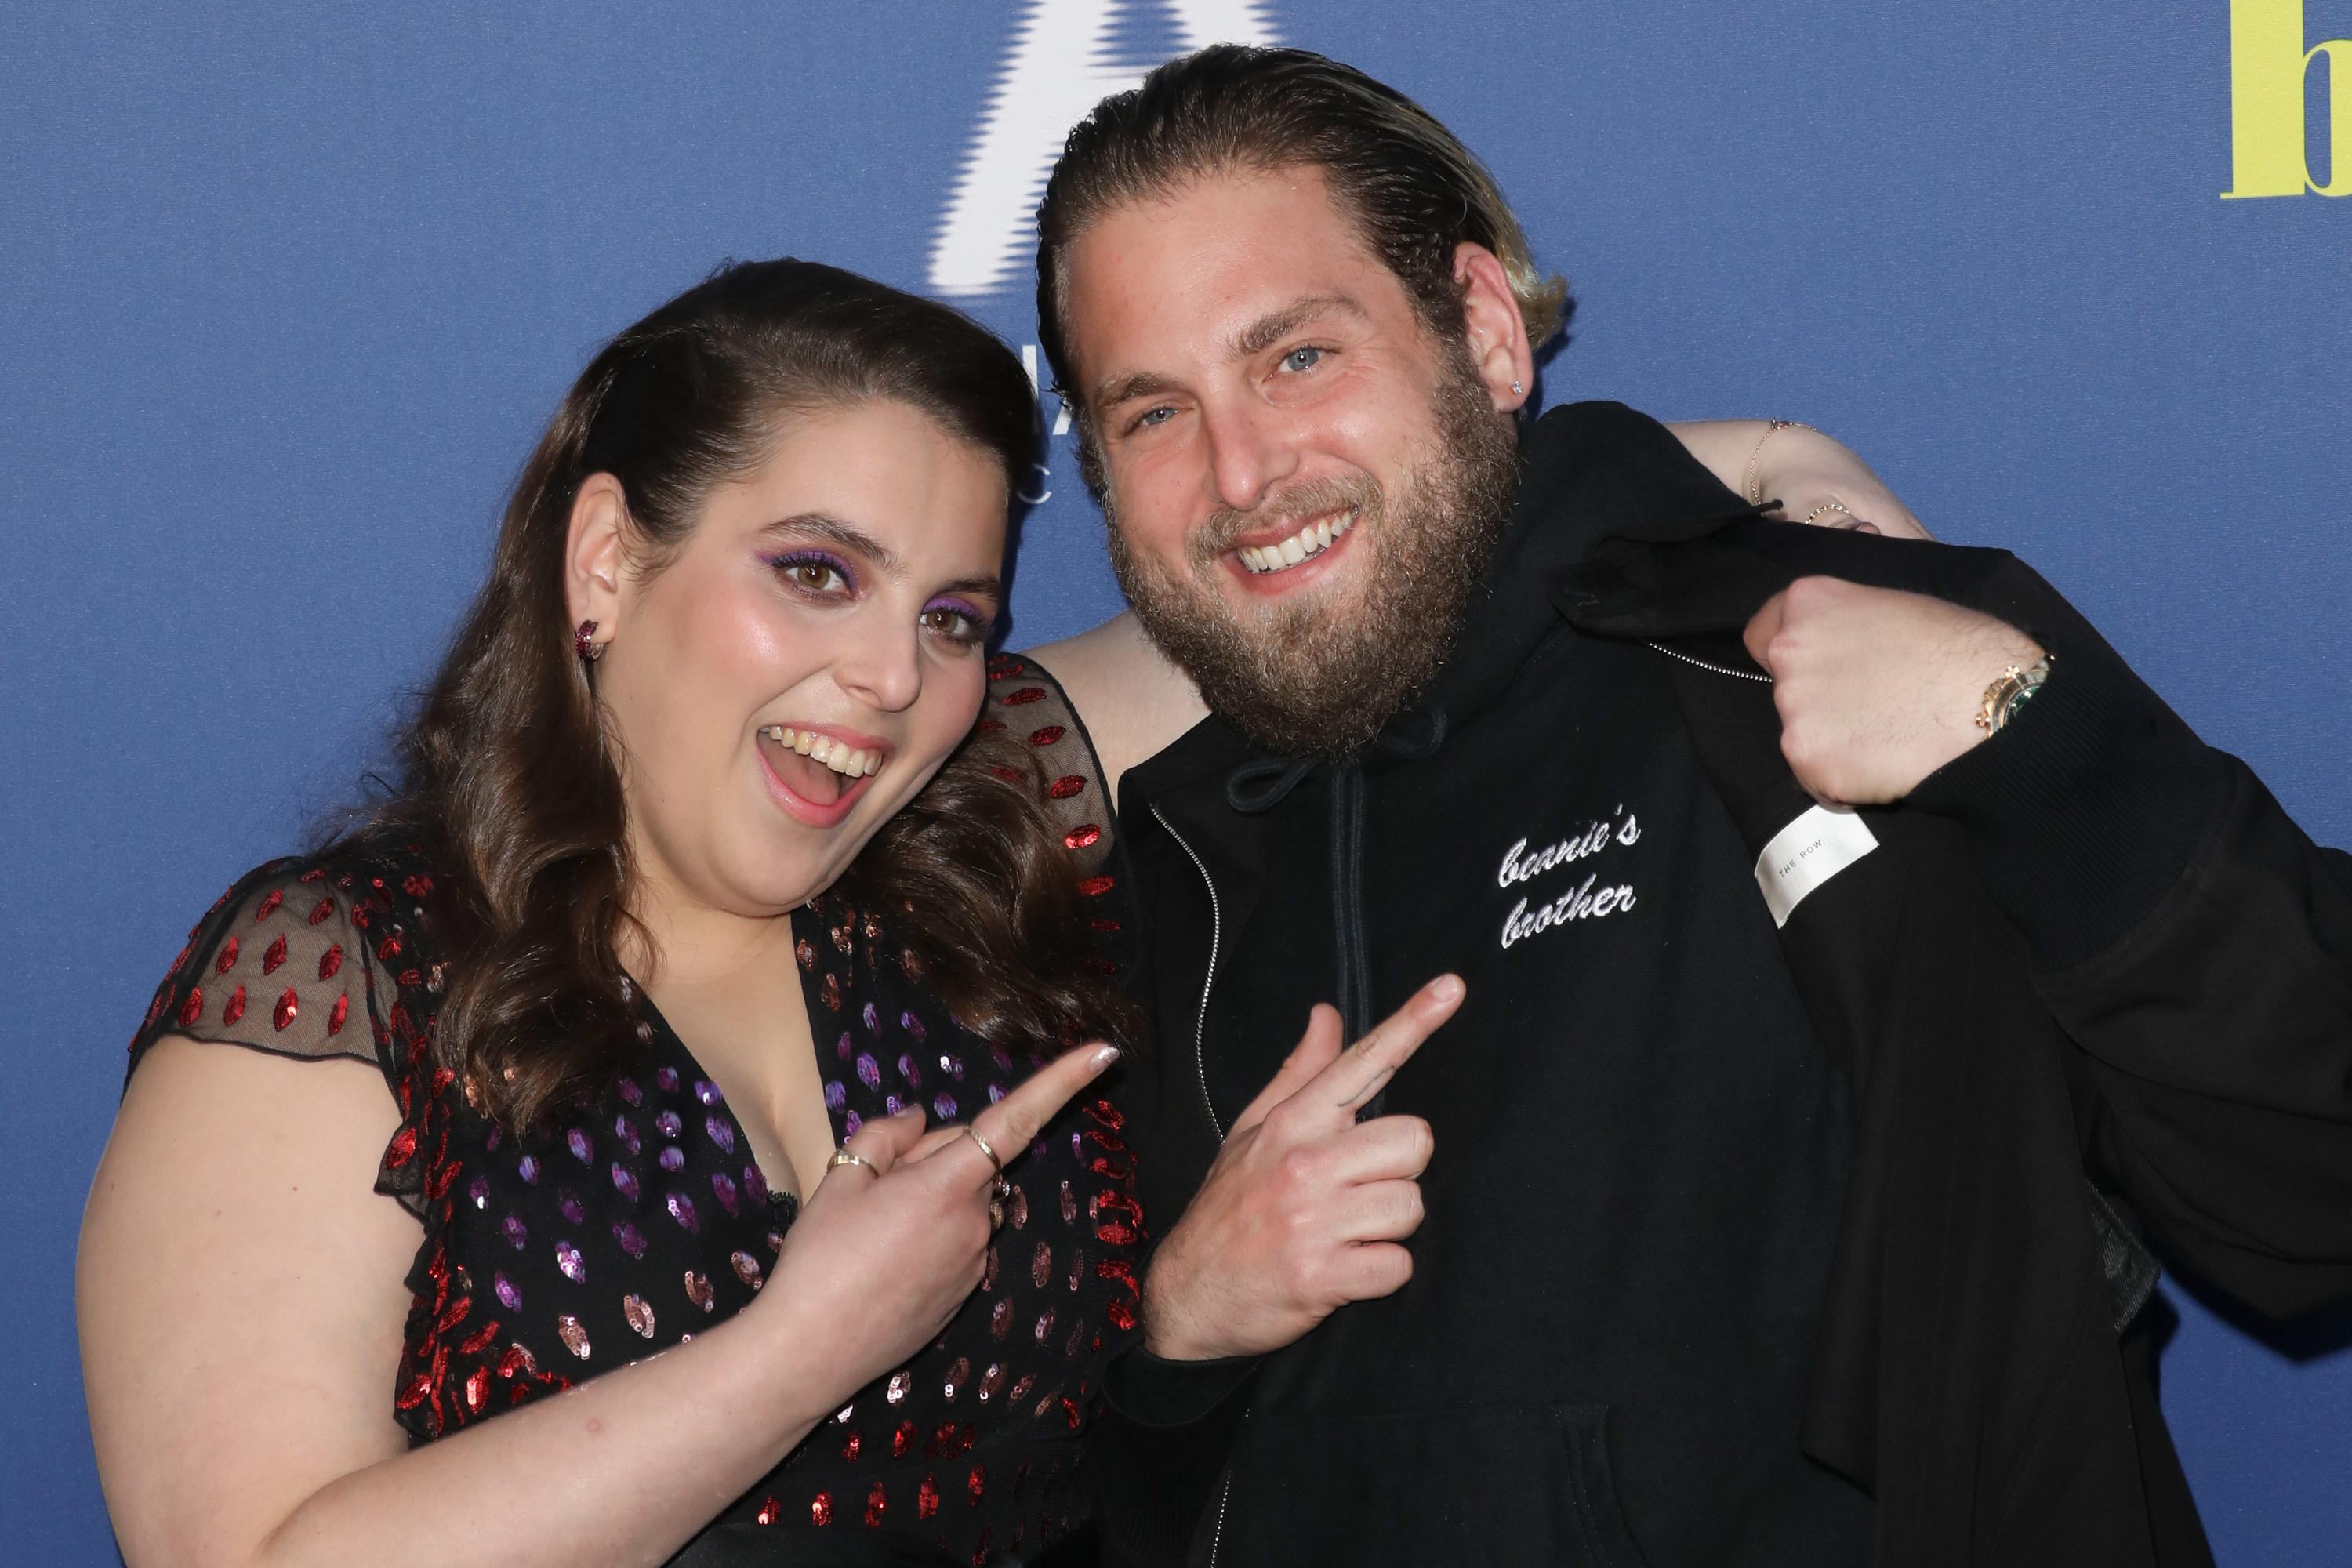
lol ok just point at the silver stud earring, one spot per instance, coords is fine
(1516, 389)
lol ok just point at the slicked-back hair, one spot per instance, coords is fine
(1413, 190)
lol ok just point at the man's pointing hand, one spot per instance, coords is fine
(1302, 1210)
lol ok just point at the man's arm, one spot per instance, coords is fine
(2188, 936)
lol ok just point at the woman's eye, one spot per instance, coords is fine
(814, 575)
(954, 624)
(1298, 360)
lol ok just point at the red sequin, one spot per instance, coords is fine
(770, 1511)
(326, 907)
(1006, 667)
(1121, 1315)
(477, 1389)
(227, 959)
(342, 1010)
(1103, 923)
(268, 905)
(851, 1445)
(416, 886)
(821, 1510)
(902, 1441)
(389, 949)
(1047, 736)
(1010, 776)
(877, 1505)
(329, 962)
(1096, 887)
(976, 1483)
(402, 1149)
(192, 1008)
(989, 727)
(288, 1007)
(1084, 838)
(274, 957)
(1027, 694)
(927, 1499)
(1068, 784)
(235, 1008)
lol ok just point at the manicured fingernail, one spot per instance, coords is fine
(1104, 1056)
(1446, 988)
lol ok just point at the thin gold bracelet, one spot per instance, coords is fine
(1756, 494)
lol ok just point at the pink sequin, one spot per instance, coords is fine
(574, 1337)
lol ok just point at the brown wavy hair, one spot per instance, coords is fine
(505, 774)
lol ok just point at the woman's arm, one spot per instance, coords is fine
(241, 1309)
(1807, 472)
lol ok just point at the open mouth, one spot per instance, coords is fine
(1313, 539)
(823, 770)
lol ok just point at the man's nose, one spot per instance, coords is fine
(1250, 452)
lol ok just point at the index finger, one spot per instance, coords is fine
(1763, 626)
(1012, 1122)
(1365, 1067)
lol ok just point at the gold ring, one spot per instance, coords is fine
(844, 1157)
(996, 1213)
(984, 1149)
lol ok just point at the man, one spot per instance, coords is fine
(1739, 1213)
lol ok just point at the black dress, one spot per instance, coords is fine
(641, 1218)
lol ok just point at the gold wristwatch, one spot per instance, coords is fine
(2007, 693)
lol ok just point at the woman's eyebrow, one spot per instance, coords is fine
(817, 526)
(989, 587)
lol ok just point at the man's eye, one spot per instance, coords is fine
(1154, 417)
(1298, 360)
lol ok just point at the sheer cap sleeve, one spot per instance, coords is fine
(1025, 701)
(276, 967)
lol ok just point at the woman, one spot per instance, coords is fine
(649, 931)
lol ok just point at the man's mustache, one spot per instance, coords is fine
(1288, 508)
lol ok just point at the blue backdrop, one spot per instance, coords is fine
(289, 292)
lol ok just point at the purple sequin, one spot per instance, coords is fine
(870, 1071)
(707, 1091)
(626, 1131)
(835, 1096)
(665, 1079)
(850, 1123)
(995, 1092)
(581, 1150)
(952, 1067)
(631, 1092)
(755, 1184)
(480, 1190)
(873, 1019)
(518, 1234)
(1003, 1062)
(625, 1181)
(632, 1239)
(908, 1071)
(528, 1169)
(944, 1107)
(723, 1186)
(672, 1159)
(912, 1024)
(892, 1105)
(568, 1201)
(843, 1048)
(681, 1209)
(567, 1258)
(509, 1297)
(668, 1124)
(721, 1131)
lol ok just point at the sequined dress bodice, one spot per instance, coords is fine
(640, 1218)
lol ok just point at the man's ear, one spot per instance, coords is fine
(593, 553)
(1492, 324)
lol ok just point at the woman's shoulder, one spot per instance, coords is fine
(286, 961)
(1120, 689)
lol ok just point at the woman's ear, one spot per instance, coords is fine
(594, 552)
(1496, 334)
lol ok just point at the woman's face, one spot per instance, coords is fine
(808, 658)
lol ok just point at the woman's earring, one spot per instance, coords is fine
(581, 644)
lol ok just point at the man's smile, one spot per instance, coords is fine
(1311, 540)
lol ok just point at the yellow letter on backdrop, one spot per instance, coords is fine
(2267, 65)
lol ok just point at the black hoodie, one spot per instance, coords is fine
(1649, 1321)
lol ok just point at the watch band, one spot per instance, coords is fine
(2009, 692)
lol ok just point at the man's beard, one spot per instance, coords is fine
(1312, 678)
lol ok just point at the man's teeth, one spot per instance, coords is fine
(838, 755)
(1308, 542)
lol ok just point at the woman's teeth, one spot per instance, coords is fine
(1308, 542)
(838, 755)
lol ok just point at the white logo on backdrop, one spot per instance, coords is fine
(1064, 59)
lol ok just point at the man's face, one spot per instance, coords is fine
(1304, 484)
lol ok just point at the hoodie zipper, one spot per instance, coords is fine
(1200, 1022)
(1712, 668)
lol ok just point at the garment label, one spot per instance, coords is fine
(1807, 853)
